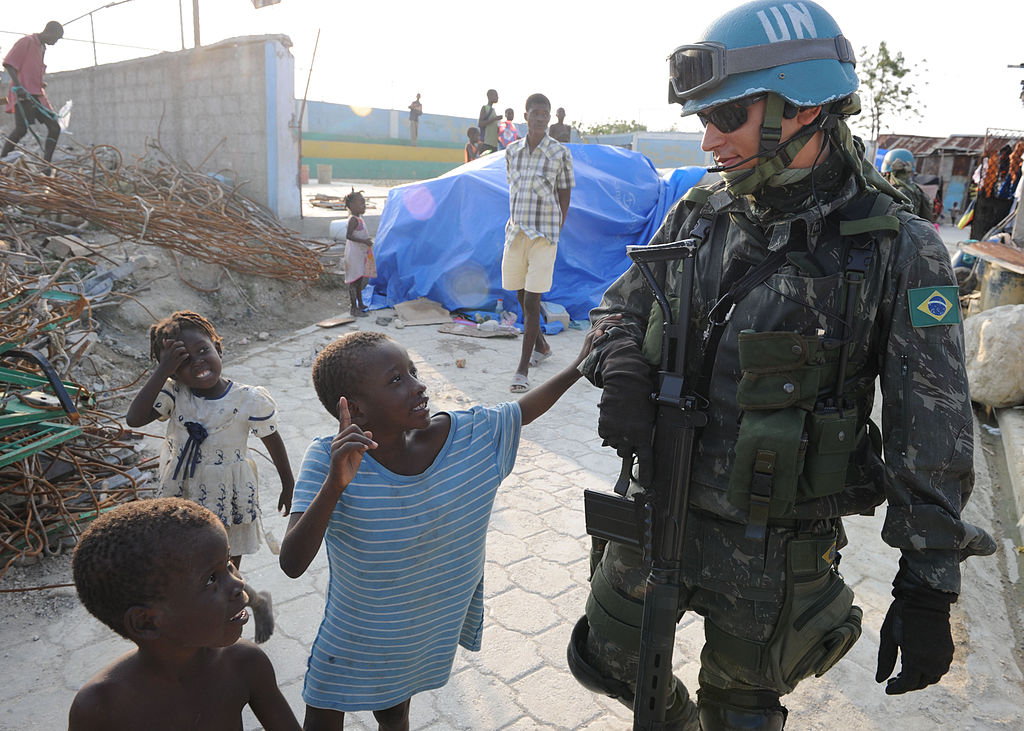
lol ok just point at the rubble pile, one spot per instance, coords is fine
(63, 459)
(160, 202)
(65, 234)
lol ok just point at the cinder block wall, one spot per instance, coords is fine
(230, 104)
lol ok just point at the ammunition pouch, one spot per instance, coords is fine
(817, 626)
(789, 449)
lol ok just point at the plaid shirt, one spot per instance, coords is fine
(534, 179)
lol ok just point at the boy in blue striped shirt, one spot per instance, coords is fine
(402, 499)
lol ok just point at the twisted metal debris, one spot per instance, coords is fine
(161, 202)
(58, 468)
(46, 499)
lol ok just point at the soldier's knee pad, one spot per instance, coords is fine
(681, 713)
(614, 620)
(739, 710)
(586, 674)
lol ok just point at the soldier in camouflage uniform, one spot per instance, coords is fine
(898, 168)
(860, 290)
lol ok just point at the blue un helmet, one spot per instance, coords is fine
(795, 50)
(898, 160)
(793, 53)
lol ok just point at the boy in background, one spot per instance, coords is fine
(507, 132)
(473, 146)
(540, 182)
(487, 123)
(560, 130)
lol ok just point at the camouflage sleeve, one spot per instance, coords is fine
(925, 205)
(631, 297)
(927, 423)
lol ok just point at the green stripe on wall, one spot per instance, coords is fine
(356, 168)
(320, 136)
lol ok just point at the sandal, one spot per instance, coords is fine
(519, 384)
(538, 357)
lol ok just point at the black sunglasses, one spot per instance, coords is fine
(730, 116)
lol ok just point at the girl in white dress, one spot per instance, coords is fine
(205, 457)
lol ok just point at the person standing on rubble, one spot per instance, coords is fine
(27, 99)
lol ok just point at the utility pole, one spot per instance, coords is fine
(181, 23)
(195, 22)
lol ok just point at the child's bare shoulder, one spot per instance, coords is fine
(107, 699)
(246, 659)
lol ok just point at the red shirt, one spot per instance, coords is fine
(26, 57)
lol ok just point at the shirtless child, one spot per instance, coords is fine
(157, 572)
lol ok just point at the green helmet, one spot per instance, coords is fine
(898, 160)
(795, 50)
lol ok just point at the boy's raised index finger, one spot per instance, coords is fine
(344, 418)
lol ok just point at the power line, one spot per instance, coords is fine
(98, 43)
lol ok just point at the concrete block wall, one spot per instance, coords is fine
(665, 149)
(230, 104)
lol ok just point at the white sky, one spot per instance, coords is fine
(601, 60)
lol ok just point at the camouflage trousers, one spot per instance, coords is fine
(750, 592)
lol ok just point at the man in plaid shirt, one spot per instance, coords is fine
(540, 182)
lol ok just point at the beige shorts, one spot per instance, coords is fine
(528, 264)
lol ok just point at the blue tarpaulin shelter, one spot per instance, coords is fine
(442, 238)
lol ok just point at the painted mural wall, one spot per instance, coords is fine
(369, 143)
(373, 144)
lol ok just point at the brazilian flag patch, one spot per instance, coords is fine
(934, 306)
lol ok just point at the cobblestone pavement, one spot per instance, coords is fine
(536, 580)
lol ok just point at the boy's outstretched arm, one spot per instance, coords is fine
(306, 530)
(279, 454)
(265, 698)
(542, 398)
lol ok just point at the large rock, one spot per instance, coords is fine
(994, 344)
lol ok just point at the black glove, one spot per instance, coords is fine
(917, 625)
(626, 420)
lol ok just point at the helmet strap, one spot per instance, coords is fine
(777, 155)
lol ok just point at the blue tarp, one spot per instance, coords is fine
(442, 238)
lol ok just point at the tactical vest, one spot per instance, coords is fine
(798, 426)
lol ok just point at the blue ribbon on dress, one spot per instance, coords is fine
(190, 452)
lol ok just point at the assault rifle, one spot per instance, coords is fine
(655, 520)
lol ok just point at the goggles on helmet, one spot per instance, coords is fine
(730, 116)
(697, 68)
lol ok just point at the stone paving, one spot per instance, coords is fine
(536, 580)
